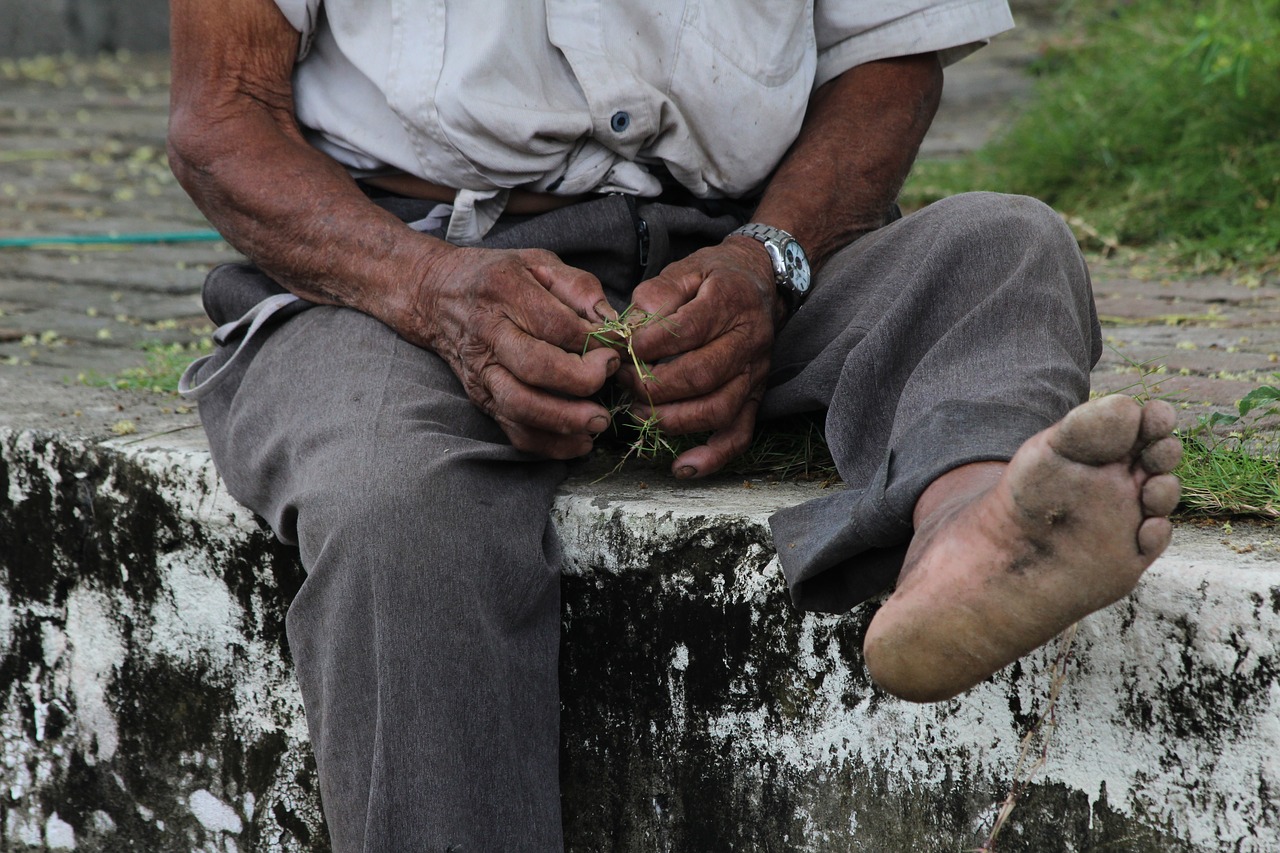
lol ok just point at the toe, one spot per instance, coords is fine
(1161, 456)
(1100, 431)
(1160, 495)
(1158, 419)
(1154, 536)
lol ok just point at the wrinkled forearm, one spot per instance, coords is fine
(857, 144)
(297, 214)
(237, 150)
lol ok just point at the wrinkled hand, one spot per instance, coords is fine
(512, 325)
(711, 357)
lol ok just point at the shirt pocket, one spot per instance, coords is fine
(768, 40)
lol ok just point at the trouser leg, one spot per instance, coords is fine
(425, 636)
(426, 633)
(948, 337)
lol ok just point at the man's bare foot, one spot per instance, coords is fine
(1005, 557)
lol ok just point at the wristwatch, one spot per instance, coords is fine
(791, 271)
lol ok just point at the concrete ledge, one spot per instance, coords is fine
(146, 699)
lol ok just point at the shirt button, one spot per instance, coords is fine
(621, 121)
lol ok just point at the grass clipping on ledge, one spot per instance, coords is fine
(790, 449)
(1230, 466)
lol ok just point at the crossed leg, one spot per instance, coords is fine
(1006, 556)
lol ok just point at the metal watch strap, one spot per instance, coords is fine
(775, 239)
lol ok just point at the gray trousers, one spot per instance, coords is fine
(426, 633)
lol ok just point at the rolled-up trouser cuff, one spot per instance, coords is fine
(842, 549)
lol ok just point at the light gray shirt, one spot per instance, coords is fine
(574, 96)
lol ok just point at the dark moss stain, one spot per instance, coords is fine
(630, 769)
(1275, 600)
(264, 575)
(1204, 703)
(83, 789)
(30, 540)
(16, 668)
(293, 825)
(65, 532)
(1138, 833)
(78, 534)
(1023, 722)
(847, 636)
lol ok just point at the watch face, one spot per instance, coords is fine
(797, 266)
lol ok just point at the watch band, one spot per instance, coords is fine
(791, 270)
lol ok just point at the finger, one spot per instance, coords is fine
(700, 372)
(668, 290)
(539, 315)
(721, 448)
(542, 365)
(701, 414)
(578, 289)
(512, 401)
(659, 301)
(720, 307)
(689, 327)
(549, 445)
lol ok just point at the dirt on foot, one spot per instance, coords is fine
(1068, 528)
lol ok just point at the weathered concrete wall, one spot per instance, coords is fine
(82, 26)
(146, 701)
(146, 691)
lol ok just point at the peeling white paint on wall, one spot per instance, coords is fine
(58, 834)
(197, 620)
(6, 618)
(97, 651)
(213, 814)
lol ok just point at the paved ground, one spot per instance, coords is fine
(82, 152)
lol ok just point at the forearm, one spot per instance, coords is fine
(296, 214)
(238, 151)
(854, 151)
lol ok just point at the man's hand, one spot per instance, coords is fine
(860, 135)
(710, 356)
(513, 326)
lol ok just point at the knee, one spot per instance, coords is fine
(1018, 222)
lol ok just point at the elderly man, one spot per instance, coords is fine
(441, 201)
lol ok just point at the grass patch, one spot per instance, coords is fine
(1154, 122)
(164, 365)
(789, 449)
(1231, 462)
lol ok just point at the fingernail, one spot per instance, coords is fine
(686, 472)
(604, 311)
(597, 424)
